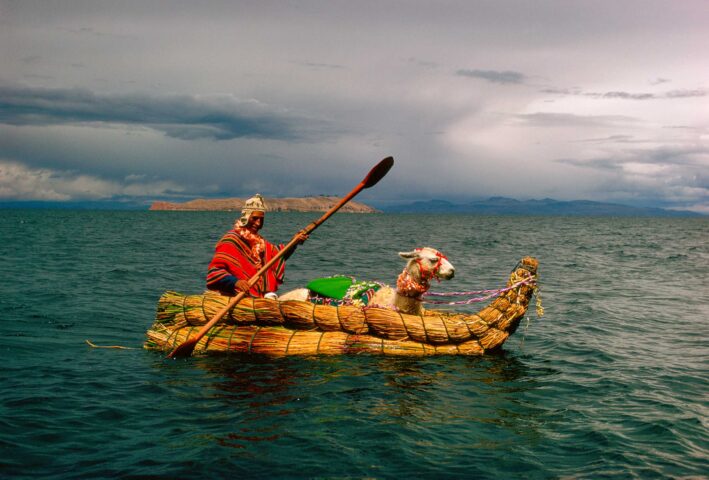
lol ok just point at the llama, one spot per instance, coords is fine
(424, 264)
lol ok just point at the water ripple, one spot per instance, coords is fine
(609, 384)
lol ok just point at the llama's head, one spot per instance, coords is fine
(427, 263)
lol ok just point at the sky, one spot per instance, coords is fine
(135, 101)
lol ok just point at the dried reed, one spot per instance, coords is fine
(258, 325)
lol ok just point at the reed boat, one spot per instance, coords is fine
(291, 327)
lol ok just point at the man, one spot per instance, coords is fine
(242, 252)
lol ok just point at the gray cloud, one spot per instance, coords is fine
(670, 175)
(218, 117)
(560, 91)
(611, 139)
(18, 181)
(422, 63)
(360, 80)
(686, 93)
(698, 92)
(545, 119)
(322, 66)
(625, 95)
(30, 59)
(494, 76)
(690, 156)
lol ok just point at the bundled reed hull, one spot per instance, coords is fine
(263, 326)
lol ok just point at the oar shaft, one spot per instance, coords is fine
(309, 229)
(377, 173)
(239, 296)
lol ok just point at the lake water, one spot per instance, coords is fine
(610, 383)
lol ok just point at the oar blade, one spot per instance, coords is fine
(184, 350)
(378, 172)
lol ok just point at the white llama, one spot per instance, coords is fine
(424, 264)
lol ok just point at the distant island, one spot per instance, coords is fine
(547, 206)
(490, 206)
(301, 204)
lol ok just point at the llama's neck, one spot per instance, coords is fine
(411, 306)
(409, 291)
(410, 284)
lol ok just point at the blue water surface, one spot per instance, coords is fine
(610, 383)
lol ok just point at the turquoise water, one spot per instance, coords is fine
(610, 383)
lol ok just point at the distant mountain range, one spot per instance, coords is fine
(547, 206)
(491, 206)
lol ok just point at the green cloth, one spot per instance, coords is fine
(331, 287)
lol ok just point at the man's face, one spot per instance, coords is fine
(255, 222)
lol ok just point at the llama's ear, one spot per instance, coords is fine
(411, 254)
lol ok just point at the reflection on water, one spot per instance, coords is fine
(261, 391)
(266, 398)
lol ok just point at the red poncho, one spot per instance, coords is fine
(238, 256)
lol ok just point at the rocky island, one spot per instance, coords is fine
(302, 204)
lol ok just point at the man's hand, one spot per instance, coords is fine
(300, 238)
(241, 286)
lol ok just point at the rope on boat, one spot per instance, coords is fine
(120, 347)
(490, 293)
(531, 279)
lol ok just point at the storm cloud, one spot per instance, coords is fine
(130, 99)
(218, 117)
(680, 172)
(494, 76)
(698, 92)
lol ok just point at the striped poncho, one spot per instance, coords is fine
(238, 256)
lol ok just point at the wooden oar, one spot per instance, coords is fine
(186, 348)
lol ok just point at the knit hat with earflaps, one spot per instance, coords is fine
(253, 204)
